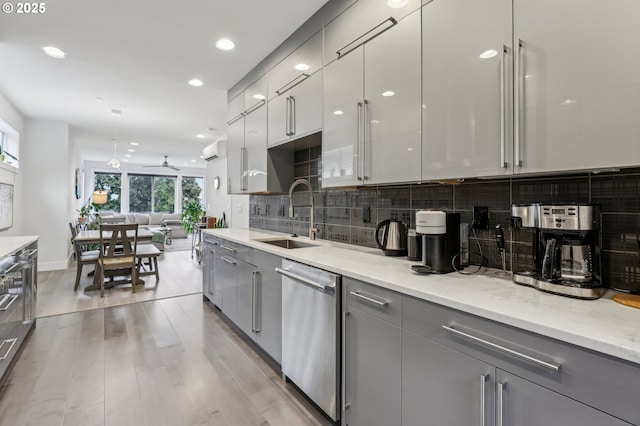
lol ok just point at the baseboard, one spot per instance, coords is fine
(52, 266)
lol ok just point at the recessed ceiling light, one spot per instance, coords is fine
(388, 93)
(338, 112)
(568, 102)
(488, 54)
(125, 160)
(196, 82)
(302, 67)
(131, 150)
(134, 143)
(54, 52)
(395, 4)
(99, 99)
(193, 161)
(116, 112)
(199, 136)
(211, 129)
(375, 121)
(185, 164)
(128, 155)
(202, 156)
(225, 44)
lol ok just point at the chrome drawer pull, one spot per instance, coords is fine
(6, 354)
(4, 308)
(231, 249)
(483, 385)
(499, 414)
(384, 303)
(554, 366)
(226, 259)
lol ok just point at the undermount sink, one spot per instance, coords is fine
(287, 243)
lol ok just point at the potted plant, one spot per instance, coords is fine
(85, 212)
(192, 216)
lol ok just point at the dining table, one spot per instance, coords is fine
(92, 236)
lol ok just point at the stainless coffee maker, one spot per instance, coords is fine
(565, 248)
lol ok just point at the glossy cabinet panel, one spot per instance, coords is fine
(360, 23)
(255, 145)
(372, 110)
(444, 386)
(392, 142)
(306, 59)
(235, 145)
(225, 280)
(467, 89)
(343, 109)
(578, 74)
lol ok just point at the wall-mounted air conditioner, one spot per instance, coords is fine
(216, 150)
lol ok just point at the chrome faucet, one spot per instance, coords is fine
(312, 226)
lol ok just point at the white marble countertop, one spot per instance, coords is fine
(601, 325)
(10, 245)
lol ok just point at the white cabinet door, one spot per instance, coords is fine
(578, 74)
(360, 22)
(255, 150)
(466, 66)
(278, 120)
(304, 61)
(391, 122)
(307, 106)
(343, 109)
(235, 146)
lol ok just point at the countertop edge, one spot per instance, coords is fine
(12, 244)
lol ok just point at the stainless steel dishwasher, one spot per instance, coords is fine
(311, 333)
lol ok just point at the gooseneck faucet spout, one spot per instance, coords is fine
(313, 231)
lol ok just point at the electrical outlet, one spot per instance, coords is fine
(480, 217)
(366, 214)
(239, 208)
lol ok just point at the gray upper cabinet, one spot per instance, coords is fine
(371, 114)
(364, 20)
(467, 89)
(247, 140)
(578, 84)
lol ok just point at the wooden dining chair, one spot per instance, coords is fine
(83, 256)
(112, 259)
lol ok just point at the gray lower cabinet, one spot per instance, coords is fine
(372, 356)
(242, 282)
(523, 403)
(444, 386)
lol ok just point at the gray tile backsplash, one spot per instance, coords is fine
(350, 215)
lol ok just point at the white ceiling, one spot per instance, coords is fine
(138, 56)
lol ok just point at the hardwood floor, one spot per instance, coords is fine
(172, 361)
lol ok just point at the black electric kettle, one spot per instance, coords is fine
(394, 237)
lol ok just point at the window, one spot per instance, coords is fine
(152, 194)
(112, 183)
(192, 190)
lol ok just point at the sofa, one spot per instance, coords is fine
(147, 220)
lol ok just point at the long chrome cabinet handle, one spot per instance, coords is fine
(302, 279)
(6, 354)
(231, 249)
(299, 79)
(483, 385)
(254, 106)
(503, 66)
(373, 32)
(365, 136)
(343, 361)
(383, 303)
(287, 116)
(359, 128)
(243, 173)
(550, 365)
(228, 260)
(292, 119)
(253, 302)
(235, 118)
(13, 299)
(499, 414)
(518, 101)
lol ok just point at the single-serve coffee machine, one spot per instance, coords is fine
(560, 248)
(440, 241)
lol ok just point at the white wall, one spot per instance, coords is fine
(46, 168)
(236, 207)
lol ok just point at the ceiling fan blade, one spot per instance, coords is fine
(174, 168)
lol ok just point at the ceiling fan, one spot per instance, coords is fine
(166, 164)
